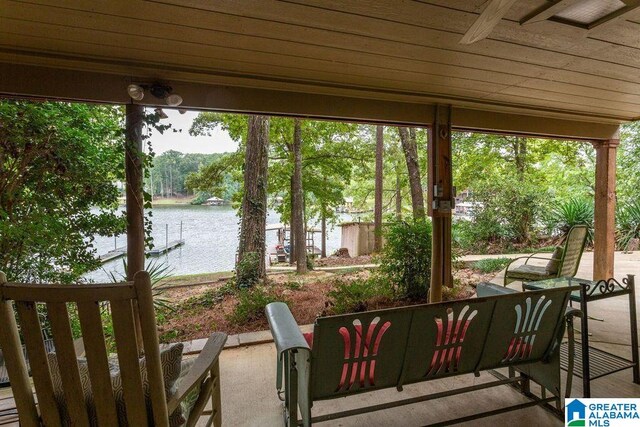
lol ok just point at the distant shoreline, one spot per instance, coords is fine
(165, 200)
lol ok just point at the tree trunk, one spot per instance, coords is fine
(398, 193)
(520, 155)
(297, 221)
(254, 200)
(292, 237)
(410, 149)
(323, 226)
(377, 210)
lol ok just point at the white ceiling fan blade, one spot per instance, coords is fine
(489, 18)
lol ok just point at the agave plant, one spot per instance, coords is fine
(158, 271)
(628, 220)
(572, 212)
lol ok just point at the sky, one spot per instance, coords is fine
(219, 142)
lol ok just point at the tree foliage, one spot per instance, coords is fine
(405, 260)
(59, 164)
(170, 171)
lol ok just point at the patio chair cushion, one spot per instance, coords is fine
(171, 360)
(529, 272)
(554, 263)
(187, 404)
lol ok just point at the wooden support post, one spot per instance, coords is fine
(134, 196)
(604, 240)
(377, 208)
(135, 199)
(441, 200)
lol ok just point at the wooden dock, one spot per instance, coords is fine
(114, 254)
(160, 250)
(156, 251)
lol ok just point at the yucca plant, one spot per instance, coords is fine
(628, 220)
(570, 213)
(158, 271)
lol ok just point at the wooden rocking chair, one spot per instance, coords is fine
(563, 263)
(89, 394)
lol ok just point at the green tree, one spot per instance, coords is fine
(59, 168)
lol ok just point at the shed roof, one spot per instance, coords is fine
(385, 60)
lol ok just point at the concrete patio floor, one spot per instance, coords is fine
(249, 396)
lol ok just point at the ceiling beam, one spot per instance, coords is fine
(485, 23)
(34, 82)
(484, 121)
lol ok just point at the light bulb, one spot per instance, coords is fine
(173, 100)
(136, 92)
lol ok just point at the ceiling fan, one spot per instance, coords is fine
(586, 14)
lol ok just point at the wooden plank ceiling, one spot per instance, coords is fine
(398, 50)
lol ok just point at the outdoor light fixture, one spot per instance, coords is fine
(136, 92)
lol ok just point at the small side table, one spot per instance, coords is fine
(592, 362)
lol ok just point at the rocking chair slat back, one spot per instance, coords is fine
(56, 301)
(38, 361)
(98, 364)
(67, 360)
(12, 352)
(124, 331)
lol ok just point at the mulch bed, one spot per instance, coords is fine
(196, 316)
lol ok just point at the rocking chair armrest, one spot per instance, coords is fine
(206, 360)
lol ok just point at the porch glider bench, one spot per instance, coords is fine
(361, 352)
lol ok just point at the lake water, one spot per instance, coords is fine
(211, 239)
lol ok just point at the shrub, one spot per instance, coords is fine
(490, 265)
(569, 213)
(507, 211)
(356, 296)
(405, 260)
(251, 304)
(628, 223)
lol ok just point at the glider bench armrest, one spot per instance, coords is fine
(203, 365)
(285, 330)
(287, 337)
